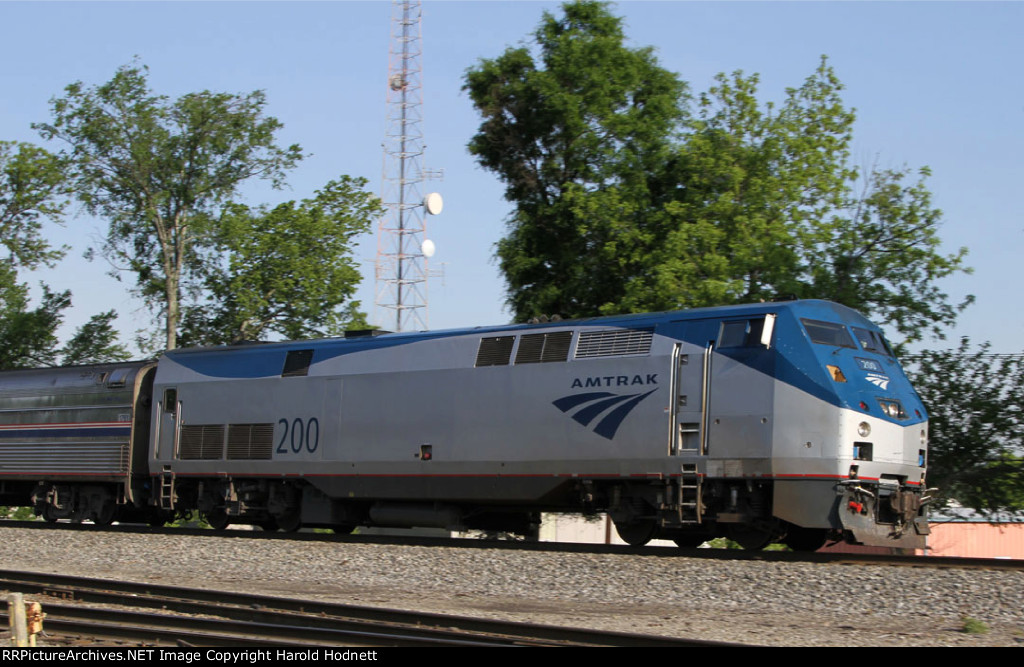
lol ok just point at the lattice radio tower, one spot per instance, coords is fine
(402, 246)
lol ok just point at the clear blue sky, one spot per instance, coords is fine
(936, 84)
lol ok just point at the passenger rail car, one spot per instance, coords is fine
(74, 441)
(779, 421)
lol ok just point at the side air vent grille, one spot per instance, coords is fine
(545, 347)
(202, 442)
(250, 441)
(495, 351)
(614, 343)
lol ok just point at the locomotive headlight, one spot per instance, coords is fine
(892, 408)
(924, 437)
(864, 429)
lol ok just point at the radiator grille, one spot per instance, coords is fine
(614, 343)
(495, 351)
(545, 347)
(251, 441)
(201, 442)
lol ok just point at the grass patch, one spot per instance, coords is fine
(972, 626)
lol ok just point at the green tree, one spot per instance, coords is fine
(745, 180)
(975, 402)
(157, 170)
(95, 342)
(880, 255)
(286, 270)
(767, 204)
(28, 336)
(32, 190)
(627, 201)
(578, 129)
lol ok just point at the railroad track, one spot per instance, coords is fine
(158, 615)
(557, 547)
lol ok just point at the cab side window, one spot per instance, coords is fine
(741, 333)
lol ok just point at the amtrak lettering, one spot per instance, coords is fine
(614, 381)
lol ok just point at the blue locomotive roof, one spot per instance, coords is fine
(813, 308)
(331, 347)
(801, 360)
(264, 359)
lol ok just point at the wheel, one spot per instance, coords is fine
(690, 541)
(105, 516)
(290, 522)
(750, 538)
(805, 539)
(49, 514)
(218, 519)
(638, 533)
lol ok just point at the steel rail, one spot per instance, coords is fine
(205, 631)
(324, 623)
(943, 562)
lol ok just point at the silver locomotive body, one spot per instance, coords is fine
(775, 421)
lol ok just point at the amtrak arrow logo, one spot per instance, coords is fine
(590, 406)
(880, 381)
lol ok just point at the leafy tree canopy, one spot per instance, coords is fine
(28, 336)
(156, 169)
(975, 402)
(95, 342)
(579, 129)
(33, 190)
(766, 204)
(631, 197)
(286, 270)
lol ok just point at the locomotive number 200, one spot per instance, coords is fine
(299, 434)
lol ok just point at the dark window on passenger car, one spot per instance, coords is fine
(829, 333)
(118, 377)
(296, 364)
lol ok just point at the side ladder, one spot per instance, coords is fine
(167, 495)
(691, 505)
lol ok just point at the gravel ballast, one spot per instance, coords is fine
(742, 601)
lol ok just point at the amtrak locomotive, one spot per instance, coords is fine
(783, 421)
